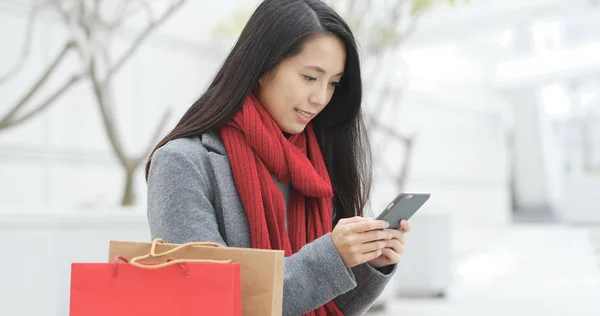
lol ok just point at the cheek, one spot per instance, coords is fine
(273, 96)
(291, 93)
(330, 95)
(285, 92)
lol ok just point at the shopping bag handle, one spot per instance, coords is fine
(153, 254)
(189, 244)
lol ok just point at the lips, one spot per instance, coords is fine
(308, 115)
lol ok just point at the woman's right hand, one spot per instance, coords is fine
(359, 239)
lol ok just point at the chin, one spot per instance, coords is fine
(294, 129)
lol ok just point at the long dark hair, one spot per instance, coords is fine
(275, 31)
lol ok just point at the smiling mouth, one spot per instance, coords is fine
(308, 115)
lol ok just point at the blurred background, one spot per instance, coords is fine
(493, 106)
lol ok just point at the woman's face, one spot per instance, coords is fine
(301, 86)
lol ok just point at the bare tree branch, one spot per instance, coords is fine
(155, 138)
(100, 93)
(389, 131)
(25, 49)
(383, 34)
(140, 39)
(101, 87)
(4, 121)
(123, 11)
(96, 11)
(43, 105)
(145, 5)
(63, 10)
(410, 29)
(406, 163)
(395, 19)
(386, 95)
(90, 35)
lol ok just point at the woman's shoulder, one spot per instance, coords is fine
(194, 148)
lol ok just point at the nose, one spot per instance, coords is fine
(319, 97)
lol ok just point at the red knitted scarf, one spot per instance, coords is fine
(257, 149)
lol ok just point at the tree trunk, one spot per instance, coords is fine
(128, 190)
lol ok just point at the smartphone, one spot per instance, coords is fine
(404, 206)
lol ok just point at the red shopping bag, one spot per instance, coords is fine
(176, 287)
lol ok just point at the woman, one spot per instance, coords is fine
(273, 155)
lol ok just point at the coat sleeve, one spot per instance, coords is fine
(180, 210)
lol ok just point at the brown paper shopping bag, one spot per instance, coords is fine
(261, 270)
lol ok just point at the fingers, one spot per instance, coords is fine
(374, 235)
(367, 225)
(404, 226)
(397, 234)
(383, 234)
(391, 256)
(371, 246)
(360, 239)
(377, 235)
(363, 253)
(355, 219)
(396, 245)
(371, 255)
(388, 238)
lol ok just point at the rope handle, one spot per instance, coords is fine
(153, 254)
(156, 241)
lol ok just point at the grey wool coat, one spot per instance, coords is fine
(192, 197)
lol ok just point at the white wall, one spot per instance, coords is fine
(41, 244)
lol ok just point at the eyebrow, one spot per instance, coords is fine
(321, 70)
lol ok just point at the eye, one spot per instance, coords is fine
(336, 84)
(309, 78)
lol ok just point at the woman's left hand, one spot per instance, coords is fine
(394, 246)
